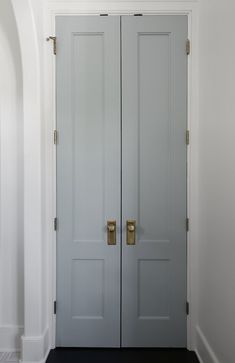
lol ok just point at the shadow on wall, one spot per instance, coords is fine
(11, 182)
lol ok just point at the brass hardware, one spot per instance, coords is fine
(187, 137)
(111, 232)
(188, 47)
(130, 232)
(54, 43)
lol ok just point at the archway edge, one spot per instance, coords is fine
(35, 338)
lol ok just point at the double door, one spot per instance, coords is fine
(121, 181)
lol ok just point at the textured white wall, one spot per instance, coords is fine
(216, 303)
(11, 182)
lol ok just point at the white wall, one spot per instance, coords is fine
(216, 271)
(216, 284)
(11, 183)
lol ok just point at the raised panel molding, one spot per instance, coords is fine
(150, 270)
(89, 303)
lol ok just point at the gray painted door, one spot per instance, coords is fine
(88, 181)
(154, 109)
(147, 307)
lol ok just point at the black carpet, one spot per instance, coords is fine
(129, 355)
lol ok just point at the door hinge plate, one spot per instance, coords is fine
(188, 47)
(187, 137)
(187, 224)
(55, 136)
(55, 224)
(55, 306)
(187, 308)
(54, 43)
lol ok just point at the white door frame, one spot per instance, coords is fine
(122, 7)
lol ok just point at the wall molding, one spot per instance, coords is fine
(203, 349)
(120, 7)
(10, 337)
(35, 349)
(122, 1)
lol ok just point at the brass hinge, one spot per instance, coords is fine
(55, 306)
(187, 307)
(187, 137)
(188, 46)
(55, 224)
(187, 224)
(55, 137)
(54, 43)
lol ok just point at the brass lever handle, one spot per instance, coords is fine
(130, 232)
(111, 232)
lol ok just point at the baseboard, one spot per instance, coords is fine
(10, 338)
(35, 349)
(203, 349)
(198, 356)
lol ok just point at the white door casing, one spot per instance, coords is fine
(188, 8)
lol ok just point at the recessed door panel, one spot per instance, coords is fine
(154, 68)
(88, 181)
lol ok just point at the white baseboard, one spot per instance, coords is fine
(35, 349)
(198, 356)
(203, 349)
(10, 338)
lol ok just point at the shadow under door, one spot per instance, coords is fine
(121, 181)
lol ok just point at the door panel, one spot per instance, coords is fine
(154, 112)
(88, 181)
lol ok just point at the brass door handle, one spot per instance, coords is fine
(111, 227)
(131, 228)
(130, 232)
(111, 232)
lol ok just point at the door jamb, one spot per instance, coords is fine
(56, 8)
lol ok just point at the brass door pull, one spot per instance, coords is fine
(130, 232)
(111, 232)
